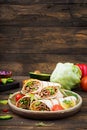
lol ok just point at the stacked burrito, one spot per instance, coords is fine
(42, 96)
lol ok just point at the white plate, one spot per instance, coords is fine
(45, 115)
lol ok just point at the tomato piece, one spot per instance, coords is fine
(83, 68)
(18, 96)
(57, 107)
(84, 83)
(5, 110)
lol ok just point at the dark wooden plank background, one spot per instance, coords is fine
(37, 34)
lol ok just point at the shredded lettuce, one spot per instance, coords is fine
(67, 74)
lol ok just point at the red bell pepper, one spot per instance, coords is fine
(83, 68)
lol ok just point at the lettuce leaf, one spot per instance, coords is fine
(67, 74)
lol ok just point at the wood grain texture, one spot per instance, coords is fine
(21, 64)
(44, 15)
(43, 1)
(37, 34)
(70, 40)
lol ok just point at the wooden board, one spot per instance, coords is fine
(35, 35)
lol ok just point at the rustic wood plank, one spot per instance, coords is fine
(34, 1)
(39, 128)
(43, 1)
(21, 64)
(41, 58)
(44, 15)
(30, 32)
(43, 40)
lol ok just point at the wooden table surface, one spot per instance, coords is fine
(76, 122)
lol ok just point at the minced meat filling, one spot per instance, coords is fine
(40, 106)
(48, 91)
(24, 103)
(32, 86)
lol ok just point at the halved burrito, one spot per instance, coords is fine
(31, 86)
(39, 106)
(68, 102)
(50, 92)
(23, 102)
(43, 105)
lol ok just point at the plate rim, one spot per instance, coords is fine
(69, 111)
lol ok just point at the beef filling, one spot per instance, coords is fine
(48, 91)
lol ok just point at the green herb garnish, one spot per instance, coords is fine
(32, 97)
(30, 83)
(24, 101)
(68, 102)
(51, 90)
(37, 103)
(42, 124)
